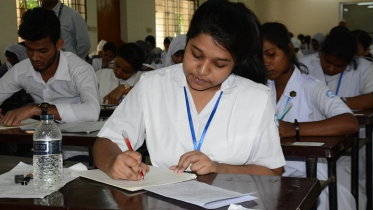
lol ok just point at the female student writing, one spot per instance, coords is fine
(208, 114)
(351, 78)
(315, 110)
(116, 82)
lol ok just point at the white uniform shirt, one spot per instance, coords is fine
(107, 81)
(72, 89)
(243, 130)
(353, 82)
(314, 101)
(74, 31)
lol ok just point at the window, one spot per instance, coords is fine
(358, 15)
(172, 18)
(24, 5)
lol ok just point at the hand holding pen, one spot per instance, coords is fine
(125, 136)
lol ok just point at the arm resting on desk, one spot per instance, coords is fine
(364, 101)
(15, 116)
(335, 126)
(109, 158)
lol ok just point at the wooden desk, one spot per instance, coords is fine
(16, 135)
(365, 117)
(331, 149)
(273, 193)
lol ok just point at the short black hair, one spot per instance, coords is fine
(363, 38)
(150, 39)
(110, 46)
(133, 54)
(236, 28)
(342, 45)
(39, 23)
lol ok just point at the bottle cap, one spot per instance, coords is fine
(47, 117)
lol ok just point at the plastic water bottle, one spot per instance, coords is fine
(47, 159)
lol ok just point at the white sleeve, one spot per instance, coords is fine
(267, 149)
(127, 116)
(9, 84)
(89, 108)
(83, 43)
(326, 101)
(366, 83)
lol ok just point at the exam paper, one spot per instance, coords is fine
(155, 176)
(200, 194)
(9, 189)
(86, 127)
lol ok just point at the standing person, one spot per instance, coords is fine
(115, 83)
(193, 112)
(60, 83)
(74, 30)
(351, 78)
(315, 110)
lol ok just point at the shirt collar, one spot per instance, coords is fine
(62, 72)
(293, 83)
(179, 78)
(56, 9)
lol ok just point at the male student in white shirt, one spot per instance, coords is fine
(60, 82)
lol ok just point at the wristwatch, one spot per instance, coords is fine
(44, 107)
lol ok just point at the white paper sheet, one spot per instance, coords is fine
(86, 127)
(9, 189)
(155, 176)
(200, 194)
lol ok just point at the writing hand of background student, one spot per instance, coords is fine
(14, 117)
(199, 163)
(127, 165)
(286, 129)
(115, 95)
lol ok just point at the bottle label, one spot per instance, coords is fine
(47, 147)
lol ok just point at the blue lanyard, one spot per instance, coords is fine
(207, 124)
(286, 103)
(339, 82)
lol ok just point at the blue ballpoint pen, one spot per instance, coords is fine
(287, 108)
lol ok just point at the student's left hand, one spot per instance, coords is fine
(14, 117)
(286, 129)
(115, 95)
(199, 163)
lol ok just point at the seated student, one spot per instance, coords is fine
(60, 82)
(159, 63)
(211, 114)
(349, 77)
(14, 53)
(116, 82)
(317, 111)
(363, 44)
(107, 56)
(155, 52)
(175, 53)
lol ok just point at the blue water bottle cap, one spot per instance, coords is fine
(47, 117)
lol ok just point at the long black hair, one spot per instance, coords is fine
(278, 34)
(236, 28)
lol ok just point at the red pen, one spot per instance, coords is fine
(125, 136)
